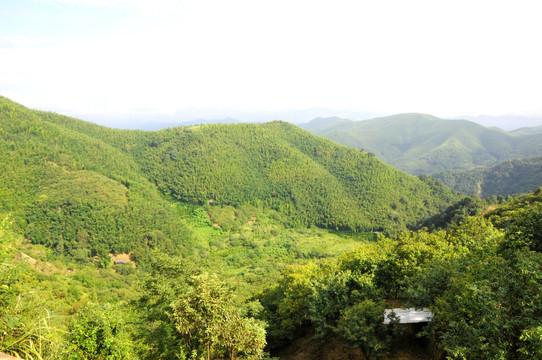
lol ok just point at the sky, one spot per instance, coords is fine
(239, 58)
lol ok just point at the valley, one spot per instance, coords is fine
(247, 241)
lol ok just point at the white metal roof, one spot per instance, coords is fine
(409, 316)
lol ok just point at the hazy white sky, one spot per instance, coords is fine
(218, 57)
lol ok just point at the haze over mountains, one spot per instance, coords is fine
(157, 121)
(505, 122)
(424, 144)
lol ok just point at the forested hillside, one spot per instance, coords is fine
(508, 178)
(310, 180)
(57, 161)
(243, 241)
(424, 144)
(78, 194)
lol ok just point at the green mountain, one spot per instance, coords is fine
(424, 144)
(87, 189)
(527, 131)
(79, 195)
(253, 193)
(507, 178)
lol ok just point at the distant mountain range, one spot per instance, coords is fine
(415, 143)
(156, 121)
(507, 122)
(424, 144)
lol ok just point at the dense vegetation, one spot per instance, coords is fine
(424, 144)
(87, 190)
(310, 180)
(510, 177)
(238, 239)
(480, 278)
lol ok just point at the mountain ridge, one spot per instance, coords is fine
(424, 144)
(309, 180)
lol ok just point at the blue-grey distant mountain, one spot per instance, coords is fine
(425, 144)
(158, 121)
(506, 122)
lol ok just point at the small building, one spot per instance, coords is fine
(121, 262)
(409, 316)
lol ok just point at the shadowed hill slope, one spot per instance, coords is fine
(508, 178)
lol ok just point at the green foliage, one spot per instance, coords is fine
(25, 329)
(505, 215)
(87, 191)
(526, 230)
(488, 307)
(455, 214)
(213, 324)
(286, 303)
(335, 291)
(362, 326)
(245, 201)
(485, 297)
(484, 293)
(507, 178)
(77, 194)
(160, 287)
(531, 343)
(99, 332)
(309, 180)
(187, 313)
(424, 144)
(317, 296)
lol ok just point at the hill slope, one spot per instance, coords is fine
(78, 194)
(51, 165)
(424, 144)
(508, 178)
(277, 165)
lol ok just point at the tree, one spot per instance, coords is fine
(334, 292)
(242, 335)
(213, 324)
(98, 332)
(526, 229)
(362, 325)
(286, 303)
